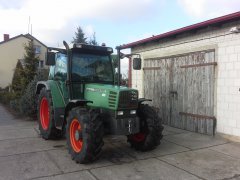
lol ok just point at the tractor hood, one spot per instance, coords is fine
(110, 96)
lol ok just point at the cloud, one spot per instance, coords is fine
(209, 8)
(13, 4)
(51, 18)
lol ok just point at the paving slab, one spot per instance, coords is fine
(27, 166)
(17, 133)
(115, 139)
(173, 130)
(205, 163)
(115, 155)
(237, 177)
(5, 115)
(19, 124)
(26, 145)
(166, 148)
(126, 148)
(63, 160)
(195, 141)
(142, 170)
(166, 132)
(163, 149)
(81, 175)
(231, 149)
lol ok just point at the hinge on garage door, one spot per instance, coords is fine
(151, 68)
(198, 65)
(197, 116)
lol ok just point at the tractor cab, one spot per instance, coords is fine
(79, 65)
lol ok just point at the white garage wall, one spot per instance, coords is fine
(227, 76)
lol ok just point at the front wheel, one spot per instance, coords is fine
(84, 134)
(150, 130)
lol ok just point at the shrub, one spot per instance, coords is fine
(6, 96)
(25, 103)
(28, 101)
(14, 104)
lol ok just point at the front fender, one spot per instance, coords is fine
(75, 103)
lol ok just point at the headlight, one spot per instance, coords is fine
(133, 112)
(120, 113)
(78, 45)
(109, 49)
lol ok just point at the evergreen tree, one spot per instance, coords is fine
(17, 78)
(93, 40)
(30, 64)
(79, 36)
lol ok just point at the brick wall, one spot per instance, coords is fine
(227, 76)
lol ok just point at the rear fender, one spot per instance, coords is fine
(57, 99)
(40, 85)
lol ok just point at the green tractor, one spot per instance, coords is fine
(81, 101)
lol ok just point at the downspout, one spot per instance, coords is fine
(130, 72)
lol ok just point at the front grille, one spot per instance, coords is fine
(128, 99)
(112, 98)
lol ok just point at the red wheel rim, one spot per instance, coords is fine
(76, 144)
(139, 137)
(44, 113)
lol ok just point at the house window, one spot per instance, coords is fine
(37, 49)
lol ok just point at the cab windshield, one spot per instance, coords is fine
(92, 68)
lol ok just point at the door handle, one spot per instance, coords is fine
(173, 92)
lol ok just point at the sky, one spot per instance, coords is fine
(115, 22)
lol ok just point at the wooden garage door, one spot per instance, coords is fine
(182, 89)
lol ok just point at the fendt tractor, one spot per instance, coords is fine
(81, 101)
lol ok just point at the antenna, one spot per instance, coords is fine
(29, 20)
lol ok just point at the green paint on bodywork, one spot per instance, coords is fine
(57, 96)
(104, 96)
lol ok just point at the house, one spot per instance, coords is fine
(12, 50)
(192, 74)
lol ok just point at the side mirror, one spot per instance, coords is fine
(137, 63)
(50, 58)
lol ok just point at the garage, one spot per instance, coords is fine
(192, 75)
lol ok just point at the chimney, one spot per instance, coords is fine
(5, 37)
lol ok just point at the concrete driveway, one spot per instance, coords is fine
(181, 155)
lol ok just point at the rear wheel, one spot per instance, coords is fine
(150, 130)
(46, 116)
(84, 134)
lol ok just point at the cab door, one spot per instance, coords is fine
(60, 75)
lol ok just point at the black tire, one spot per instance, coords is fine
(46, 122)
(90, 134)
(150, 130)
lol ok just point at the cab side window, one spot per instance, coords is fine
(61, 67)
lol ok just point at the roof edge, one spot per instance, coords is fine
(28, 36)
(220, 19)
(15, 37)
